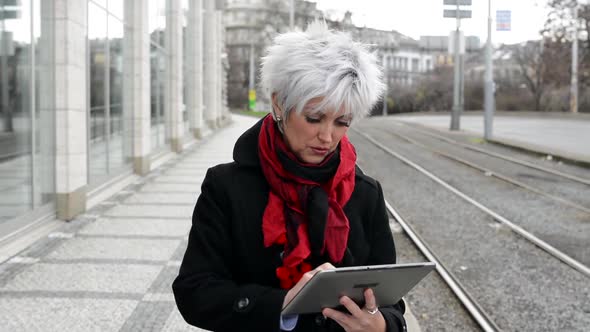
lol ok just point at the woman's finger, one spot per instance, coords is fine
(339, 317)
(352, 307)
(370, 301)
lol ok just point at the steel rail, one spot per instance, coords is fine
(585, 270)
(482, 318)
(499, 155)
(489, 172)
(474, 309)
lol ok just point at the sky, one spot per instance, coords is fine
(417, 18)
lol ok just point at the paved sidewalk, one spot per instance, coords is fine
(557, 134)
(111, 268)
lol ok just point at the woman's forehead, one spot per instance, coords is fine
(316, 105)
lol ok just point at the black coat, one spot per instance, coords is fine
(227, 279)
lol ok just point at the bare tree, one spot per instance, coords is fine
(559, 28)
(529, 57)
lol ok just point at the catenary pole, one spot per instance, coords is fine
(489, 99)
(574, 78)
(456, 112)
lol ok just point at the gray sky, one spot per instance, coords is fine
(424, 17)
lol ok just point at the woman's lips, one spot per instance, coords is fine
(320, 151)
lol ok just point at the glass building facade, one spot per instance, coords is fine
(109, 125)
(160, 135)
(26, 127)
(82, 102)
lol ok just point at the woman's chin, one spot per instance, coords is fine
(312, 159)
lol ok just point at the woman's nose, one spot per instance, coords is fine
(325, 133)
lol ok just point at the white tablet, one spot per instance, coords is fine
(389, 284)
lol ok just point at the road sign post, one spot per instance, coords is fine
(489, 98)
(458, 14)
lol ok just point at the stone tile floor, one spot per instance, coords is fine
(111, 268)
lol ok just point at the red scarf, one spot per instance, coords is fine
(287, 192)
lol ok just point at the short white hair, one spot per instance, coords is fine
(300, 66)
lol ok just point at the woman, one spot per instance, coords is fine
(292, 202)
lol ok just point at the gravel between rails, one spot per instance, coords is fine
(514, 152)
(431, 294)
(563, 227)
(520, 286)
(550, 183)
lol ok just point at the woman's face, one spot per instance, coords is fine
(312, 136)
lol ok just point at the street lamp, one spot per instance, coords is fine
(489, 99)
(386, 80)
(574, 78)
(292, 15)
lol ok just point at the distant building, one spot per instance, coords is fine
(403, 61)
(506, 68)
(250, 27)
(251, 24)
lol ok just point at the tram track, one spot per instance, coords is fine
(575, 264)
(572, 177)
(479, 315)
(498, 175)
(485, 316)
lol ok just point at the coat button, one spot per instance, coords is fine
(320, 320)
(243, 303)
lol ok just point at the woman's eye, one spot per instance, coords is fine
(345, 123)
(312, 120)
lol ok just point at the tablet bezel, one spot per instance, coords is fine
(327, 286)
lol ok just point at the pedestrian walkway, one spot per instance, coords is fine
(557, 134)
(111, 269)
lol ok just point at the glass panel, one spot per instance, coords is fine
(102, 3)
(157, 20)
(45, 108)
(120, 133)
(97, 35)
(15, 111)
(116, 8)
(157, 71)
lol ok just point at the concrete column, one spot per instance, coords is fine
(45, 63)
(136, 82)
(224, 74)
(173, 44)
(219, 69)
(209, 63)
(195, 67)
(65, 91)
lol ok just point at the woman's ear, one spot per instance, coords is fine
(277, 112)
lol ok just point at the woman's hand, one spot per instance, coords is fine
(304, 279)
(368, 318)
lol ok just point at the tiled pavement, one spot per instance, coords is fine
(111, 268)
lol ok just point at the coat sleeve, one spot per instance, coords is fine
(383, 252)
(205, 292)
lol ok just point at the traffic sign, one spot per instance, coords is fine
(252, 100)
(503, 20)
(454, 2)
(452, 13)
